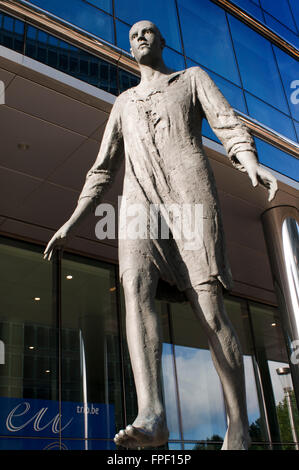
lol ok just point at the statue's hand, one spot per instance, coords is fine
(58, 240)
(258, 174)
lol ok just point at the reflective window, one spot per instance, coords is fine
(11, 33)
(289, 70)
(282, 30)
(200, 392)
(297, 129)
(131, 11)
(232, 93)
(237, 311)
(81, 14)
(29, 349)
(172, 59)
(257, 65)
(122, 35)
(277, 159)
(170, 396)
(103, 4)
(281, 11)
(251, 8)
(204, 29)
(269, 116)
(91, 372)
(295, 10)
(271, 355)
(76, 62)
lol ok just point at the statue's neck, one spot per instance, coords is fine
(151, 73)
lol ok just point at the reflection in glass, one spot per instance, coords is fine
(200, 392)
(282, 30)
(270, 117)
(204, 27)
(238, 314)
(91, 380)
(201, 397)
(27, 326)
(289, 70)
(81, 14)
(271, 354)
(251, 8)
(169, 388)
(295, 10)
(276, 159)
(131, 11)
(281, 11)
(257, 65)
(290, 241)
(231, 92)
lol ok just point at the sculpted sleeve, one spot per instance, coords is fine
(223, 120)
(108, 161)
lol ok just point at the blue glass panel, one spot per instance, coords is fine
(103, 4)
(279, 10)
(269, 116)
(295, 9)
(206, 37)
(207, 132)
(122, 35)
(232, 93)
(173, 59)
(289, 70)
(251, 8)
(19, 27)
(286, 33)
(278, 160)
(31, 32)
(297, 129)
(257, 65)
(42, 36)
(165, 17)
(82, 15)
(8, 23)
(53, 41)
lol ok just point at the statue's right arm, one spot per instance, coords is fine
(98, 179)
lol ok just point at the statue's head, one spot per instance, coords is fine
(146, 42)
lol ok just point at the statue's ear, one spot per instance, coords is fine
(131, 51)
(163, 43)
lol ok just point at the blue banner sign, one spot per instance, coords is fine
(22, 417)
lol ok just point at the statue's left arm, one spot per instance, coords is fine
(232, 133)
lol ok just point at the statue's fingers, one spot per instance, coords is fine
(253, 178)
(272, 190)
(49, 248)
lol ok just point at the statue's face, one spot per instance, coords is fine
(146, 42)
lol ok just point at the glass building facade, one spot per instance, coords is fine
(65, 374)
(65, 352)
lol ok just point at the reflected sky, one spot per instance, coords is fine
(200, 392)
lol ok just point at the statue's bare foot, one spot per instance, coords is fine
(236, 438)
(146, 431)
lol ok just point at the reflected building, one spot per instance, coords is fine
(65, 375)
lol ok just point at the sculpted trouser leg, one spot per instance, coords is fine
(145, 347)
(207, 303)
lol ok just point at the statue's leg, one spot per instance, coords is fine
(145, 347)
(207, 302)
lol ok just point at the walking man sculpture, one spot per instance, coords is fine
(157, 125)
